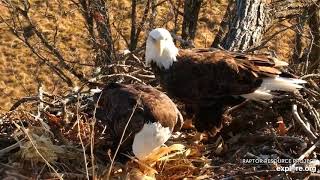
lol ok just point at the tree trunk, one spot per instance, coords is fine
(87, 16)
(104, 32)
(223, 28)
(298, 48)
(314, 24)
(133, 38)
(247, 26)
(190, 19)
(251, 18)
(154, 14)
(137, 27)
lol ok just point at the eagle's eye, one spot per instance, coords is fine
(153, 39)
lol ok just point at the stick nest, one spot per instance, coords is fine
(50, 136)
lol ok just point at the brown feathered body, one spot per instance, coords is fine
(200, 75)
(207, 80)
(138, 104)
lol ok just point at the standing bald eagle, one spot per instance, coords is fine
(152, 121)
(212, 78)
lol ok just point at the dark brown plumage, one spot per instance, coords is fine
(117, 103)
(200, 75)
(208, 80)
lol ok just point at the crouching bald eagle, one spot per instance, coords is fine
(151, 114)
(212, 78)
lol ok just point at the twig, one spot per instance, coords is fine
(230, 110)
(304, 118)
(310, 76)
(44, 60)
(64, 111)
(136, 58)
(36, 98)
(80, 138)
(121, 34)
(69, 175)
(9, 148)
(254, 173)
(146, 76)
(314, 113)
(16, 175)
(263, 138)
(22, 101)
(316, 103)
(182, 41)
(312, 93)
(262, 44)
(282, 154)
(44, 41)
(302, 123)
(92, 136)
(314, 85)
(307, 153)
(159, 3)
(36, 149)
(40, 96)
(122, 75)
(314, 175)
(307, 56)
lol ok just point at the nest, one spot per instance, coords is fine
(49, 136)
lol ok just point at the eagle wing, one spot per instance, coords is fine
(138, 104)
(118, 106)
(206, 74)
(160, 107)
(261, 64)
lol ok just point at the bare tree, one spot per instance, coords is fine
(190, 19)
(298, 48)
(247, 26)
(25, 28)
(95, 12)
(137, 27)
(250, 20)
(314, 24)
(224, 25)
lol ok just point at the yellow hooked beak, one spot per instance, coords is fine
(160, 46)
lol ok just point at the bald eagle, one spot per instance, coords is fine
(211, 78)
(151, 114)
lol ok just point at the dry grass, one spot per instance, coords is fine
(21, 70)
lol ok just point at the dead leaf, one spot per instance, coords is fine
(188, 124)
(54, 120)
(282, 130)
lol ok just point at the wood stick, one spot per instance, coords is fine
(302, 123)
(307, 153)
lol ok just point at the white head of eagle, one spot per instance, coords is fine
(160, 48)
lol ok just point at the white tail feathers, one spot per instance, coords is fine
(281, 84)
(264, 92)
(258, 95)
